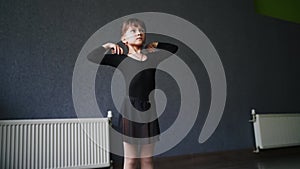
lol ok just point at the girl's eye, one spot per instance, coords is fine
(135, 30)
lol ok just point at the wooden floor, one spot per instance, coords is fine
(287, 158)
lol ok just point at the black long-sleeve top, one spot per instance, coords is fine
(139, 75)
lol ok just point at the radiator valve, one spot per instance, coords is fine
(109, 115)
(253, 120)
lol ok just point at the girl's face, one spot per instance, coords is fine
(134, 36)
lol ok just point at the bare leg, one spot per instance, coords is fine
(147, 156)
(130, 156)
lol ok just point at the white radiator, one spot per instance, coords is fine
(276, 130)
(54, 143)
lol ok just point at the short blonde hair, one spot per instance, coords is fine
(132, 22)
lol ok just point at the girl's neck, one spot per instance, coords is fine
(135, 52)
(134, 49)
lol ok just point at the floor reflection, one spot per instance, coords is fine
(286, 158)
(280, 163)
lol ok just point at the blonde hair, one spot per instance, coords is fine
(132, 22)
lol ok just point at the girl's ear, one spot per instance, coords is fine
(123, 39)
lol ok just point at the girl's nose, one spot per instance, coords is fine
(140, 32)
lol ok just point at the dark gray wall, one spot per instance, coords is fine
(40, 42)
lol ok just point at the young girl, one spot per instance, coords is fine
(139, 123)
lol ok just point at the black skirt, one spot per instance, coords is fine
(139, 132)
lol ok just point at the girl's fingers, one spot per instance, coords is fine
(112, 51)
(121, 51)
(116, 50)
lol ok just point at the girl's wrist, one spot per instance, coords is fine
(107, 45)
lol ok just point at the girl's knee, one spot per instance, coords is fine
(130, 162)
(147, 161)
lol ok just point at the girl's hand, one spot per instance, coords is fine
(115, 49)
(151, 47)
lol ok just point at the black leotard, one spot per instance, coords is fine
(140, 81)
